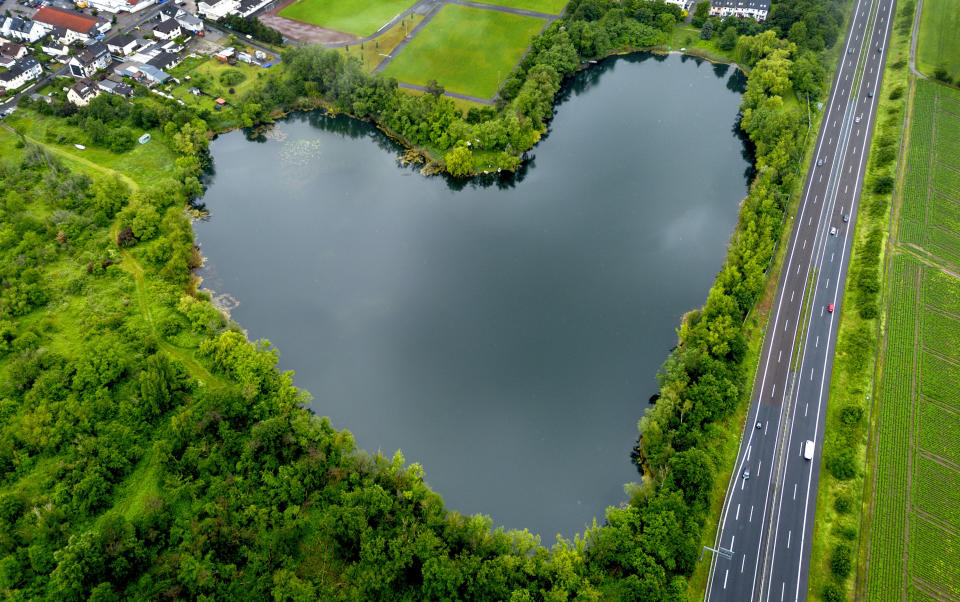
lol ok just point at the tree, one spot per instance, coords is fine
(728, 39)
(700, 13)
(435, 89)
(707, 32)
(459, 161)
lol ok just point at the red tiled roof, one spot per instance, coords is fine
(67, 20)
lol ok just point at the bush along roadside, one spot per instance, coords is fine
(837, 524)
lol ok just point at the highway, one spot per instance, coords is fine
(767, 521)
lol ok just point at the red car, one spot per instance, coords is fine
(830, 308)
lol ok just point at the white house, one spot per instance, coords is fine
(24, 70)
(77, 27)
(14, 51)
(189, 22)
(167, 30)
(82, 92)
(122, 45)
(758, 9)
(248, 7)
(217, 9)
(54, 48)
(22, 30)
(89, 60)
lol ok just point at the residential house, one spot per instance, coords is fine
(82, 92)
(189, 21)
(22, 30)
(167, 30)
(167, 12)
(14, 51)
(164, 60)
(121, 45)
(89, 60)
(119, 88)
(141, 72)
(217, 9)
(758, 9)
(53, 47)
(248, 7)
(78, 26)
(24, 70)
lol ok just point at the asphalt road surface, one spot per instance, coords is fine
(767, 520)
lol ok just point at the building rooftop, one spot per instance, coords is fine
(68, 20)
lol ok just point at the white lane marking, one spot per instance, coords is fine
(779, 356)
(786, 326)
(749, 447)
(750, 518)
(843, 252)
(789, 535)
(816, 197)
(811, 373)
(845, 78)
(804, 244)
(794, 491)
(854, 150)
(858, 132)
(783, 590)
(798, 268)
(810, 221)
(773, 390)
(742, 483)
(835, 121)
(742, 563)
(830, 141)
(828, 283)
(805, 406)
(821, 311)
(725, 573)
(831, 257)
(765, 425)
(759, 464)
(738, 505)
(733, 538)
(850, 170)
(845, 188)
(792, 293)
(821, 179)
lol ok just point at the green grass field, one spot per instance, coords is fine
(939, 44)
(350, 16)
(550, 7)
(467, 50)
(930, 215)
(915, 500)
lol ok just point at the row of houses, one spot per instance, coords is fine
(85, 90)
(217, 9)
(756, 9)
(62, 26)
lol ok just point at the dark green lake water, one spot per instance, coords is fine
(504, 333)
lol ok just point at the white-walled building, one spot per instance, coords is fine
(758, 9)
(82, 92)
(24, 70)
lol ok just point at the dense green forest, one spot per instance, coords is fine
(148, 450)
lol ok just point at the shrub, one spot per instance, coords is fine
(840, 560)
(842, 504)
(842, 465)
(232, 77)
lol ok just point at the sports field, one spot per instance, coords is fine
(467, 50)
(914, 549)
(550, 7)
(361, 18)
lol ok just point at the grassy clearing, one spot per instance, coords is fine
(688, 37)
(938, 45)
(350, 16)
(467, 50)
(374, 52)
(550, 7)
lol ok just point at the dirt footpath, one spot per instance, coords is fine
(303, 32)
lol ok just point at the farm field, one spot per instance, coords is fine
(350, 16)
(930, 214)
(939, 44)
(550, 7)
(467, 50)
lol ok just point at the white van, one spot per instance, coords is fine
(808, 450)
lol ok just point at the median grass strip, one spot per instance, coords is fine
(466, 50)
(351, 16)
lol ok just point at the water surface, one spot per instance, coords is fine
(506, 333)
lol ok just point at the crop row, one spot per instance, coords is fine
(917, 182)
(934, 555)
(946, 180)
(939, 431)
(944, 212)
(941, 291)
(940, 379)
(935, 490)
(918, 595)
(940, 332)
(948, 128)
(887, 544)
(944, 244)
